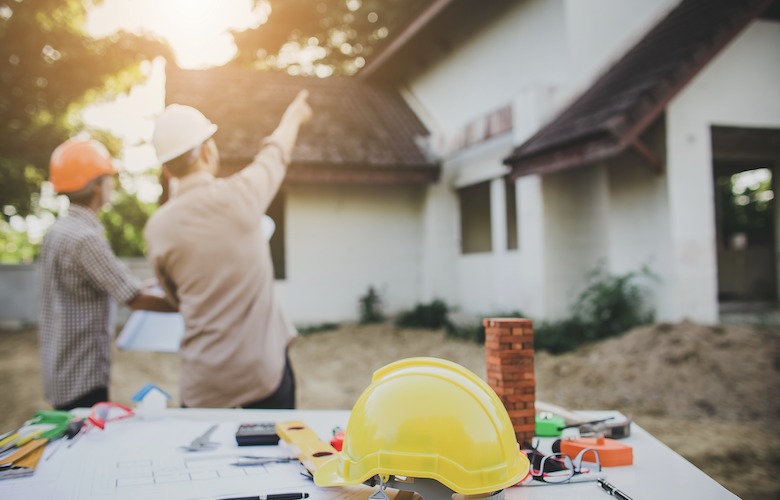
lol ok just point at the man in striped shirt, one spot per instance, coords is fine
(82, 280)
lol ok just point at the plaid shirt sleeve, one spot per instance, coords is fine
(104, 271)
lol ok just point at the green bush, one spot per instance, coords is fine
(609, 306)
(371, 307)
(561, 336)
(321, 327)
(475, 332)
(433, 316)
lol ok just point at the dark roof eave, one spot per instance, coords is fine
(400, 41)
(571, 156)
(313, 172)
(525, 159)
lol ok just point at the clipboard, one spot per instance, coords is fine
(152, 331)
(23, 461)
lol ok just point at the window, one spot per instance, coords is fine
(511, 214)
(276, 212)
(475, 231)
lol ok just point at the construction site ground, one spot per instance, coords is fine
(709, 392)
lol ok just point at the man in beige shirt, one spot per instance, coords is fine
(207, 248)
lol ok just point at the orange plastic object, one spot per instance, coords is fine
(611, 452)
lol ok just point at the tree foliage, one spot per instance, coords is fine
(748, 210)
(49, 69)
(124, 222)
(338, 35)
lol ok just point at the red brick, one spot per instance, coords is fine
(509, 351)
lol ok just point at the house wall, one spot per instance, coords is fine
(639, 229)
(535, 57)
(599, 31)
(738, 88)
(576, 211)
(343, 239)
(482, 73)
(488, 282)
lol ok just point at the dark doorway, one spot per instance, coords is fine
(744, 171)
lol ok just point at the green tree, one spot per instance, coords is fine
(49, 70)
(124, 223)
(747, 209)
(340, 35)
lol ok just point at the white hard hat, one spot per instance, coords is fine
(179, 129)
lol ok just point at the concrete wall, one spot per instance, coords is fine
(18, 295)
(639, 226)
(343, 239)
(738, 88)
(575, 216)
(484, 71)
(20, 292)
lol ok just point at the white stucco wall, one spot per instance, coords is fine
(738, 88)
(341, 240)
(535, 57)
(639, 226)
(576, 210)
(599, 31)
(440, 245)
(490, 282)
(484, 71)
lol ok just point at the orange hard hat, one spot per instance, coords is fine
(76, 161)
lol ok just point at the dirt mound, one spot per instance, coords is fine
(683, 370)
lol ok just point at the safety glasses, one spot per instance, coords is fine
(102, 413)
(560, 468)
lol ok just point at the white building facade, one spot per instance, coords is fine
(619, 215)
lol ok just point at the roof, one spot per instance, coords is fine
(359, 132)
(141, 394)
(437, 29)
(610, 116)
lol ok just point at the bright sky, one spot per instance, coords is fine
(197, 30)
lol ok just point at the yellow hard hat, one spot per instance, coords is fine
(428, 418)
(180, 129)
(77, 161)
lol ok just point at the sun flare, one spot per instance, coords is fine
(197, 30)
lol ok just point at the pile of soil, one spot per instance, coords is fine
(685, 370)
(708, 392)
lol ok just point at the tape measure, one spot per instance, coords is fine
(611, 452)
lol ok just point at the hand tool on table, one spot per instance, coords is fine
(202, 442)
(550, 425)
(74, 427)
(252, 460)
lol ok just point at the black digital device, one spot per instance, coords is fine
(263, 433)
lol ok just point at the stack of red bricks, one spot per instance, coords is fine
(509, 347)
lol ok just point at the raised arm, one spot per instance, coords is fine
(286, 133)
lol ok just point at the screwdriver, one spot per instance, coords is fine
(74, 427)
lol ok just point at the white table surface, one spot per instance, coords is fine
(657, 471)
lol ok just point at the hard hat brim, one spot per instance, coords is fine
(197, 141)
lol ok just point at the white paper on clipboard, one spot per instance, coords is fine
(162, 332)
(152, 331)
